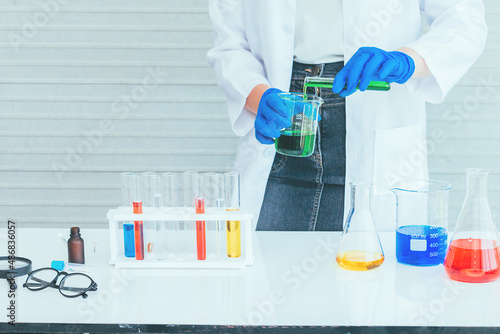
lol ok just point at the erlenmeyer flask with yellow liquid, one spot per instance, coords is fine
(360, 247)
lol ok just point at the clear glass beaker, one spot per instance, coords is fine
(360, 247)
(474, 253)
(298, 140)
(422, 221)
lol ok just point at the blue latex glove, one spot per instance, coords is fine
(272, 115)
(373, 64)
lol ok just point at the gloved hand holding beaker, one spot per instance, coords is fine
(272, 115)
(373, 64)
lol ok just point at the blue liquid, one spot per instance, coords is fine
(128, 239)
(421, 245)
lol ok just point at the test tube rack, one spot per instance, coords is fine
(123, 214)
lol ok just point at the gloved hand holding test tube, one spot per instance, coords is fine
(328, 83)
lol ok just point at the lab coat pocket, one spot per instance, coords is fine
(399, 154)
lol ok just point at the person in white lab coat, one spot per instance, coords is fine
(261, 47)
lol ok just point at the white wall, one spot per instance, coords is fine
(469, 121)
(82, 64)
(78, 66)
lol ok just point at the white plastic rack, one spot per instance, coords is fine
(216, 256)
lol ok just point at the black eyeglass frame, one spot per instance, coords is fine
(53, 283)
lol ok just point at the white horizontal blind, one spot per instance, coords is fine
(464, 131)
(89, 89)
(72, 76)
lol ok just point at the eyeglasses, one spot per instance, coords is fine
(71, 285)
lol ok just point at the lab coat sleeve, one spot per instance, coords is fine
(237, 69)
(456, 38)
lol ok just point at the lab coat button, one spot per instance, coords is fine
(269, 152)
(288, 29)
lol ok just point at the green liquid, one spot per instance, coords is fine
(328, 83)
(295, 144)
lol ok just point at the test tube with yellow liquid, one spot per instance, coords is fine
(233, 227)
(360, 247)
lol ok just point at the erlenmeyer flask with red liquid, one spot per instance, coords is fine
(474, 253)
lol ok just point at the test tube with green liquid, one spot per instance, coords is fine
(328, 83)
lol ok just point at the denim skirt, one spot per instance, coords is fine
(307, 193)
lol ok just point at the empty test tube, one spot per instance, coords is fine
(156, 239)
(149, 187)
(190, 186)
(214, 198)
(159, 238)
(191, 189)
(220, 205)
(170, 192)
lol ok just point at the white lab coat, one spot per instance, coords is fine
(385, 132)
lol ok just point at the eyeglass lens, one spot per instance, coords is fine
(41, 279)
(74, 284)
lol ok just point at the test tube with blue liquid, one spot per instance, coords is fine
(129, 189)
(134, 197)
(422, 221)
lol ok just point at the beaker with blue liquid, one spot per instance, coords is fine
(422, 221)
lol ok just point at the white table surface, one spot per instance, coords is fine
(295, 281)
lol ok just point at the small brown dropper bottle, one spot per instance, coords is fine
(76, 252)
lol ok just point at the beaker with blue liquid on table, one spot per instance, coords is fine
(422, 221)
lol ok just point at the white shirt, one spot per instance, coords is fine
(319, 31)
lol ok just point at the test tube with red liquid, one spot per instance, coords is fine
(138, 232)
(201, 244)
